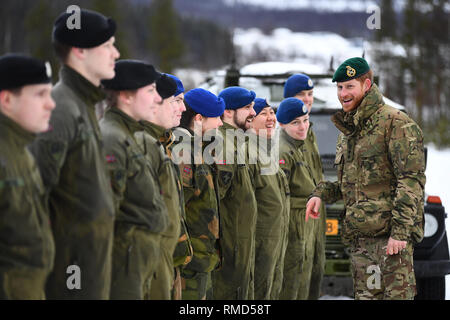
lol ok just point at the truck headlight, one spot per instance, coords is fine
(431, 225)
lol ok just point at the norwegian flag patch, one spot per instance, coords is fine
(110, 158)
(282, 161)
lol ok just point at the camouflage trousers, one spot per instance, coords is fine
(163, 280)
(23, 283)
(196, 285)
(378, 276)
(135, 260)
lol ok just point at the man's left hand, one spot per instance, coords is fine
(395, 246)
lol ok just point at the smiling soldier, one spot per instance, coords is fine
(294, 121)
(272, 197)
(380, 164)
(234, 279)
(300, 86)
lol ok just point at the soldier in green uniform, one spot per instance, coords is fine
(26, 241)
(141, 211)
(272, 197)
(157, 136)
(72, 161)
(234, 279)
(183, 251)
(293, 117)
(202, 116)
(300, 86)
(380, 164)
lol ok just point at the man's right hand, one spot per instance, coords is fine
(312, 208)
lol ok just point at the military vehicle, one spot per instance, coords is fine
(431, 256)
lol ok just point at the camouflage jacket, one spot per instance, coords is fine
(73, 167)
(380, 164)
(26, 239)
(134, 178)
(201, 206)
(160, 139)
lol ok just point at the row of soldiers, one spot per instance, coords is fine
(111, 201)
(119, 205)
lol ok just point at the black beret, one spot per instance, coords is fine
(131, 75)
(94, 29)
(166, 86)
(351, 69)
(17, 70)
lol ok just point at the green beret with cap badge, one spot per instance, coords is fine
(351, 69)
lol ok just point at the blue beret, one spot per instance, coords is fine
(297, 83)
(131, 75)
(260, 104)
(290, 109)
(204, 102)
(236, 97)
(94, 29)
(180, 88)
(17, 70)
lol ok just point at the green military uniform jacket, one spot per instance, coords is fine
(172, 190)
(234, 280)
(380, 163)
(73, 167)
(26, 241)
(299, 174)
(133, 178)
(272, 225)
(201, 206)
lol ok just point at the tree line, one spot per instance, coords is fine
(148, 30)
(419, 78)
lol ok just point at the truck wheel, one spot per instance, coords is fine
(431, 289)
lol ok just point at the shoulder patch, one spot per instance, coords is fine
(110, 158)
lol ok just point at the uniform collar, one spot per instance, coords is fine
(131, 124)
(12, 130)
(350, 123)
(163, 135)
(82, 87)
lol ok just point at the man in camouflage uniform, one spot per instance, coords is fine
(26, 241)
(72, 161)
(293, 117)
(234, 279)
(141, 212)
(157, 136)
(300, 86)
(272, 197)
(380, 164)
(202, 116)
